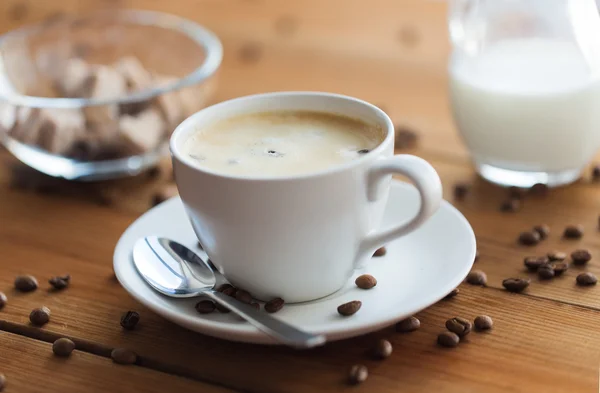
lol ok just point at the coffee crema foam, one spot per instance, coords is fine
(281, 143)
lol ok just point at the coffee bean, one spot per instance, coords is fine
(380, 252)
(515, 193)
(408, 325)
(349, 308)
(129, 320)
(586, 279)
(529, 238)
(510, 206)
(546, 272)
(274, 305)
(363, 151)
(3, 300)
(596, 172)
(405, 138)
(358, 374)
(223, 287)
(230, 291)
(365, 281)
(243, 296)
(542, 230)
(573, 232)
(250, 52)
(25, 283)
(40, 316)
(2, 382)
(123, 356)
(534, 263)
(255, 305)
(59, 282)
(63, 347)
(452, 293)
(448, 339)
(461, 190)
(483, 322)
(205, 306)
(539, 189)
(383, 349)
(557, 256)
(581, 257)
(459, 325)
(560, 268)
(477, 277)
(516, 284)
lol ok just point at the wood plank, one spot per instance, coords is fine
(30, 366)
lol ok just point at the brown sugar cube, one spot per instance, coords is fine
(59, 129)
(76, 80)
(27, 125)
(169, 104)
(136, 76)
(143, 132)
(108, 84)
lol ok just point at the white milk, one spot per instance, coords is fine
(527, 105)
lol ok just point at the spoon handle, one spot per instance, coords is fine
(274, 327)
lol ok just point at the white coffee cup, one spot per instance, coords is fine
(298, 237)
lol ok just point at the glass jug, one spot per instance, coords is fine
(525, 88)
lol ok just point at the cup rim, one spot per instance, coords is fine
(191, 120)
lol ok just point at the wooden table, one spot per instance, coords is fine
(390, 52)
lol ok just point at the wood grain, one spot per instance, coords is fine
(30, 366)
(390, 52)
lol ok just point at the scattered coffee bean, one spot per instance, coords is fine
(573, 232)
(452, 293)
(586, 279)
(363, 151)
(539, 189)
(542, 230)
(383, 349)
(123, 356)
(40, 316)
(60, 282)
(349, 308)
(557, 256)
(405, 138)
(243, 296)
(3, 300)
(459, 325)
(560, 268)
(529, 238)
(546, 272)
(461, 190)
(515, 193)
(274, 305)
(223, 287)
(358, 374)
(205, 306)
(516, 284)
(448, 339)
(63, 347)
(483, 322)
(380, 252)
(26, 283)
(596, 172)
(255, 305)
(2, 382)
(534, 263)
(129, 320)
(365, 281)
(408, 325)
(581, 257)
(510, 206)
(250, 52)
(230, 291)
(477, 277)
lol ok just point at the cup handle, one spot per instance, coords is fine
(427, 182)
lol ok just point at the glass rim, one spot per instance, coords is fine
(199, 34)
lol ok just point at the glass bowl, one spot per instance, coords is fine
(97, 97)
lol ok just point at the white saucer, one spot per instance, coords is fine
(417, 271)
